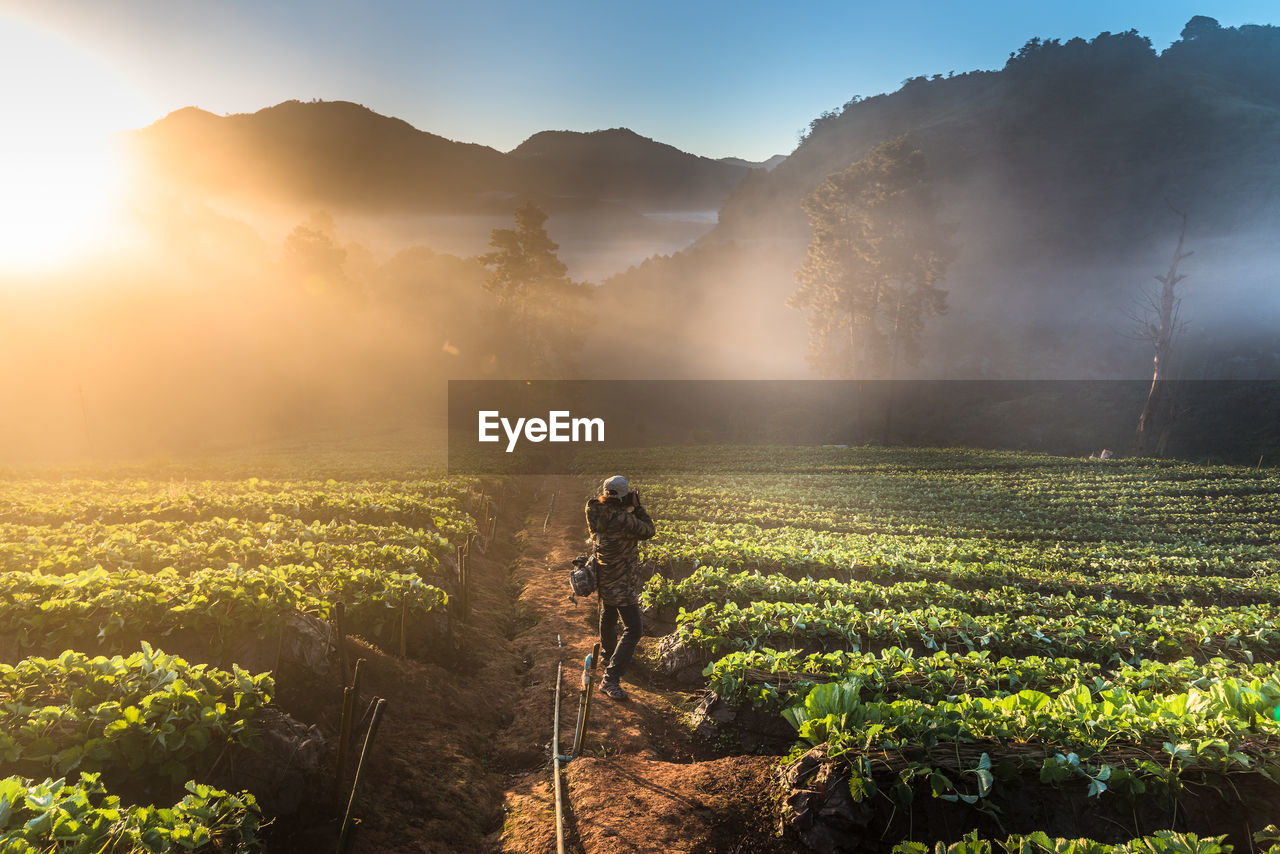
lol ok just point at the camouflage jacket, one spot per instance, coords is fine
(617, 534)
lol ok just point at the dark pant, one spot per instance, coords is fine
(618, 651)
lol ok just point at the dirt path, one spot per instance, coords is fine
(444, 754)
(462, 759)
(637, 786)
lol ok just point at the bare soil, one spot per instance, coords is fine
(639, 785)
(462, 759)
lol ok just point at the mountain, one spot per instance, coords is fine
(342, 155)
(621, 165)
(327, 153)
(767, 165)
(1065, 132)
(1059, 173)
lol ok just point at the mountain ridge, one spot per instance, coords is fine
(344, 154)
(1059, 171)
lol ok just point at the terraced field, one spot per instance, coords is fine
(966, 649)
(983, 642)
(108, 742)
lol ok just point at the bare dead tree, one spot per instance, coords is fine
(1159, 324)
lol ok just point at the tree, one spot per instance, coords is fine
(313, 253)
(1158, 325)
(541, 310)
(871, 274)
(1200, 26)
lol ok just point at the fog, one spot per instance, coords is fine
(227, 319)
(212, 331)
(213, 326)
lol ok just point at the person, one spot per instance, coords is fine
(617, 523)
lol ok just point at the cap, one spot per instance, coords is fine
(616, 486)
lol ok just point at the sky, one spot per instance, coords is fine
(718, 79)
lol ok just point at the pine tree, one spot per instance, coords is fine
(541, 310)
(873, 266)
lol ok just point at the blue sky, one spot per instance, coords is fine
(714, 78)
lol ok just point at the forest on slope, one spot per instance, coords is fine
(1062, 174)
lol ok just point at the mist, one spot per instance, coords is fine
(219, 325)
(317, 267)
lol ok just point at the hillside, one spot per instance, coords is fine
(619, 164)
(1066, 131)
(324, 153)
(1058, 171)
(341, 155)
(771, 163)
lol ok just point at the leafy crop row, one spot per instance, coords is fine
(58, 817)
(1160, 842)
(189, 546)
(35, 502)
(720, 587)
(1118, 740)
(771, 679)
(148, 712)
(225, 602)
(1244, 633)
(1140, 567)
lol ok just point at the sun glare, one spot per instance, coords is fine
(61, 173)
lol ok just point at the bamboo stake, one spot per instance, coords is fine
(547, 520)
(404, 622)
(555, 765)
(355, 689)
(355, 679)
(584, 707)
(344, 734)
(364, 719)
(338, 611)
(345, 838)
(466, 576)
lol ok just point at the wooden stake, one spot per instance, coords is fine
(584, 706)
(555, 764)
(404, 622)
(364, 719)
(551, 508)
(338, 611)
(345, 838)
(355, 679)
(466, 575)
(344, 735)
